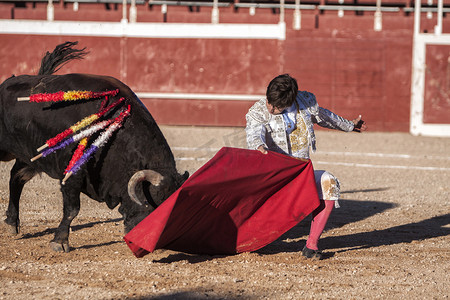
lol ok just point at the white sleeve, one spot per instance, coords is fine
(257, 119)
(255, 131)
(329, 119)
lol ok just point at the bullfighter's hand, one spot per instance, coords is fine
(262, 149)
(360, 125)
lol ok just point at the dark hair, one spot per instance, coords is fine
(282, 91)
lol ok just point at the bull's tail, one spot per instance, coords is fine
(62, 54)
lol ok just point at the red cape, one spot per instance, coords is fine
(239, 201)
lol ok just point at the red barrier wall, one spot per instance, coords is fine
(351, 68)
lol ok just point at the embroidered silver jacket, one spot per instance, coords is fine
(269, 130)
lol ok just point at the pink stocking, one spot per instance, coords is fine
(320, 217)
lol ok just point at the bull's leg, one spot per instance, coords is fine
(20, 174)
(71, 207)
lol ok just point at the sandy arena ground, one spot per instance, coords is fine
(389, 240)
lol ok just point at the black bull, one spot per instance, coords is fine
(138, 146)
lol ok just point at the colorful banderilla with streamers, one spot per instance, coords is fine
(75, 138)
(67, 96)
(74, 166)
(78, 126)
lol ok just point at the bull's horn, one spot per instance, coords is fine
(144, 175)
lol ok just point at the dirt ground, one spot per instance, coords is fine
(390, 239)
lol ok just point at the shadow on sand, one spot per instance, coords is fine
(73, 228)
(351, 211)
(430, 228)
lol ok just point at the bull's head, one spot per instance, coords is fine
(159, 188)
(153, 190)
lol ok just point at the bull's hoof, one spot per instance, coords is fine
(13, 229)
(60, 247)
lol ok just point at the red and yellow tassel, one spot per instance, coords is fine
(67, 96)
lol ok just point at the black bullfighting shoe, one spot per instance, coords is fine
(310, 253)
